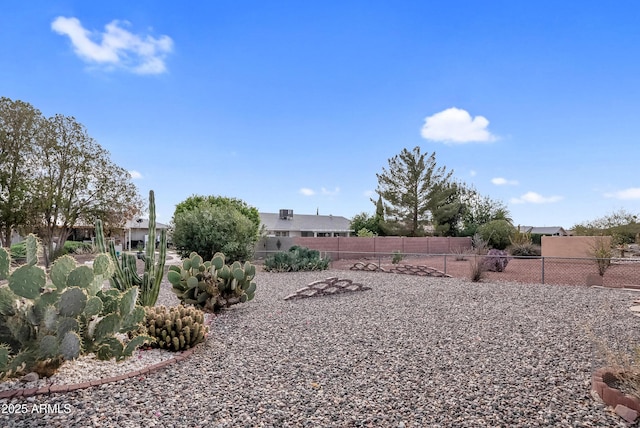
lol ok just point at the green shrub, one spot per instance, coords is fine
(209, 229)
(497, 233)
(18, 251)
(75, 247)
(296, 259)
(397, 257)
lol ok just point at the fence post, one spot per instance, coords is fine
(445, 264)
(543, 270)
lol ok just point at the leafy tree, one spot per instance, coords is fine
(19, 130)
(621, 225)
(194, 201)
(479, 210)
(497, 233)
(410, 188)
(75, 181)
(208, 228)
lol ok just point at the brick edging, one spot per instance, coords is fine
(52, 389)
(612, 396)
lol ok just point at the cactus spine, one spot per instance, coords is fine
(126, 274)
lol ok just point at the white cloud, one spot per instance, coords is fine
(473, 173)
(135, 174)
(330, 192)
(499, 181)
(535, 198)
(369, 193)
(117, 47)
(456, 126)
(307, 192)
(626, 194)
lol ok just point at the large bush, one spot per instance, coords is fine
(497, 233)
(208, 229)
(296, 259)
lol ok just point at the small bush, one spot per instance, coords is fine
(397, 257)
(480, 246)
(75, 247)
(295, 260)
(497, 233)
(496, 260)
(525, 250)
(460, 254)
(601, 251)
(18, 251)
(476, 268)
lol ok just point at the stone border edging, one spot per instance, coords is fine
(625, 405)
(52, 389)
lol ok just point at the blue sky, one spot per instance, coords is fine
(290, 104)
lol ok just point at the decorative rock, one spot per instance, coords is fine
(30, 377)
(329, 286)
(626, 413)
(635, 308)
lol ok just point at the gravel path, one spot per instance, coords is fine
(411, 352)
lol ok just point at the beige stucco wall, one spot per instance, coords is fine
(570, 246)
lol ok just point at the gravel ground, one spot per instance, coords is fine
(411, 352)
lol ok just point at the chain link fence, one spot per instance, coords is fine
(618, 272)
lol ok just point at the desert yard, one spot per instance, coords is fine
(410, 352)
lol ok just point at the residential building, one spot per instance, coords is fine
(286, 224)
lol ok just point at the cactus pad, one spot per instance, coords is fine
(60, 271)
(72, 302)
(82, 277)
(70, 345)
(26, 281)
(5, 263)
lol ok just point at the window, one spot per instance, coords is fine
(283, 233)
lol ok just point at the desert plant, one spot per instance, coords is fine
(208, 228)
(525, 250)
(520, 238)
(126, 274)
(497, 233)
(365, 233)
(496, 260)
(480, 246)
(212, 285)
(602, 252)
(177, 328)
(296, 259)
(43, 324)
(460, 254)
(396, 257)
(476, 268)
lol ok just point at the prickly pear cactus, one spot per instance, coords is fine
(44, 323)
(212, 285)
(177, 328)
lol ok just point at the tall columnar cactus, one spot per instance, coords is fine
(126, 274)
(212, 285)
(43, 324)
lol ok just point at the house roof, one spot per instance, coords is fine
(551, 230)
(306, 222)
(143, 223)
